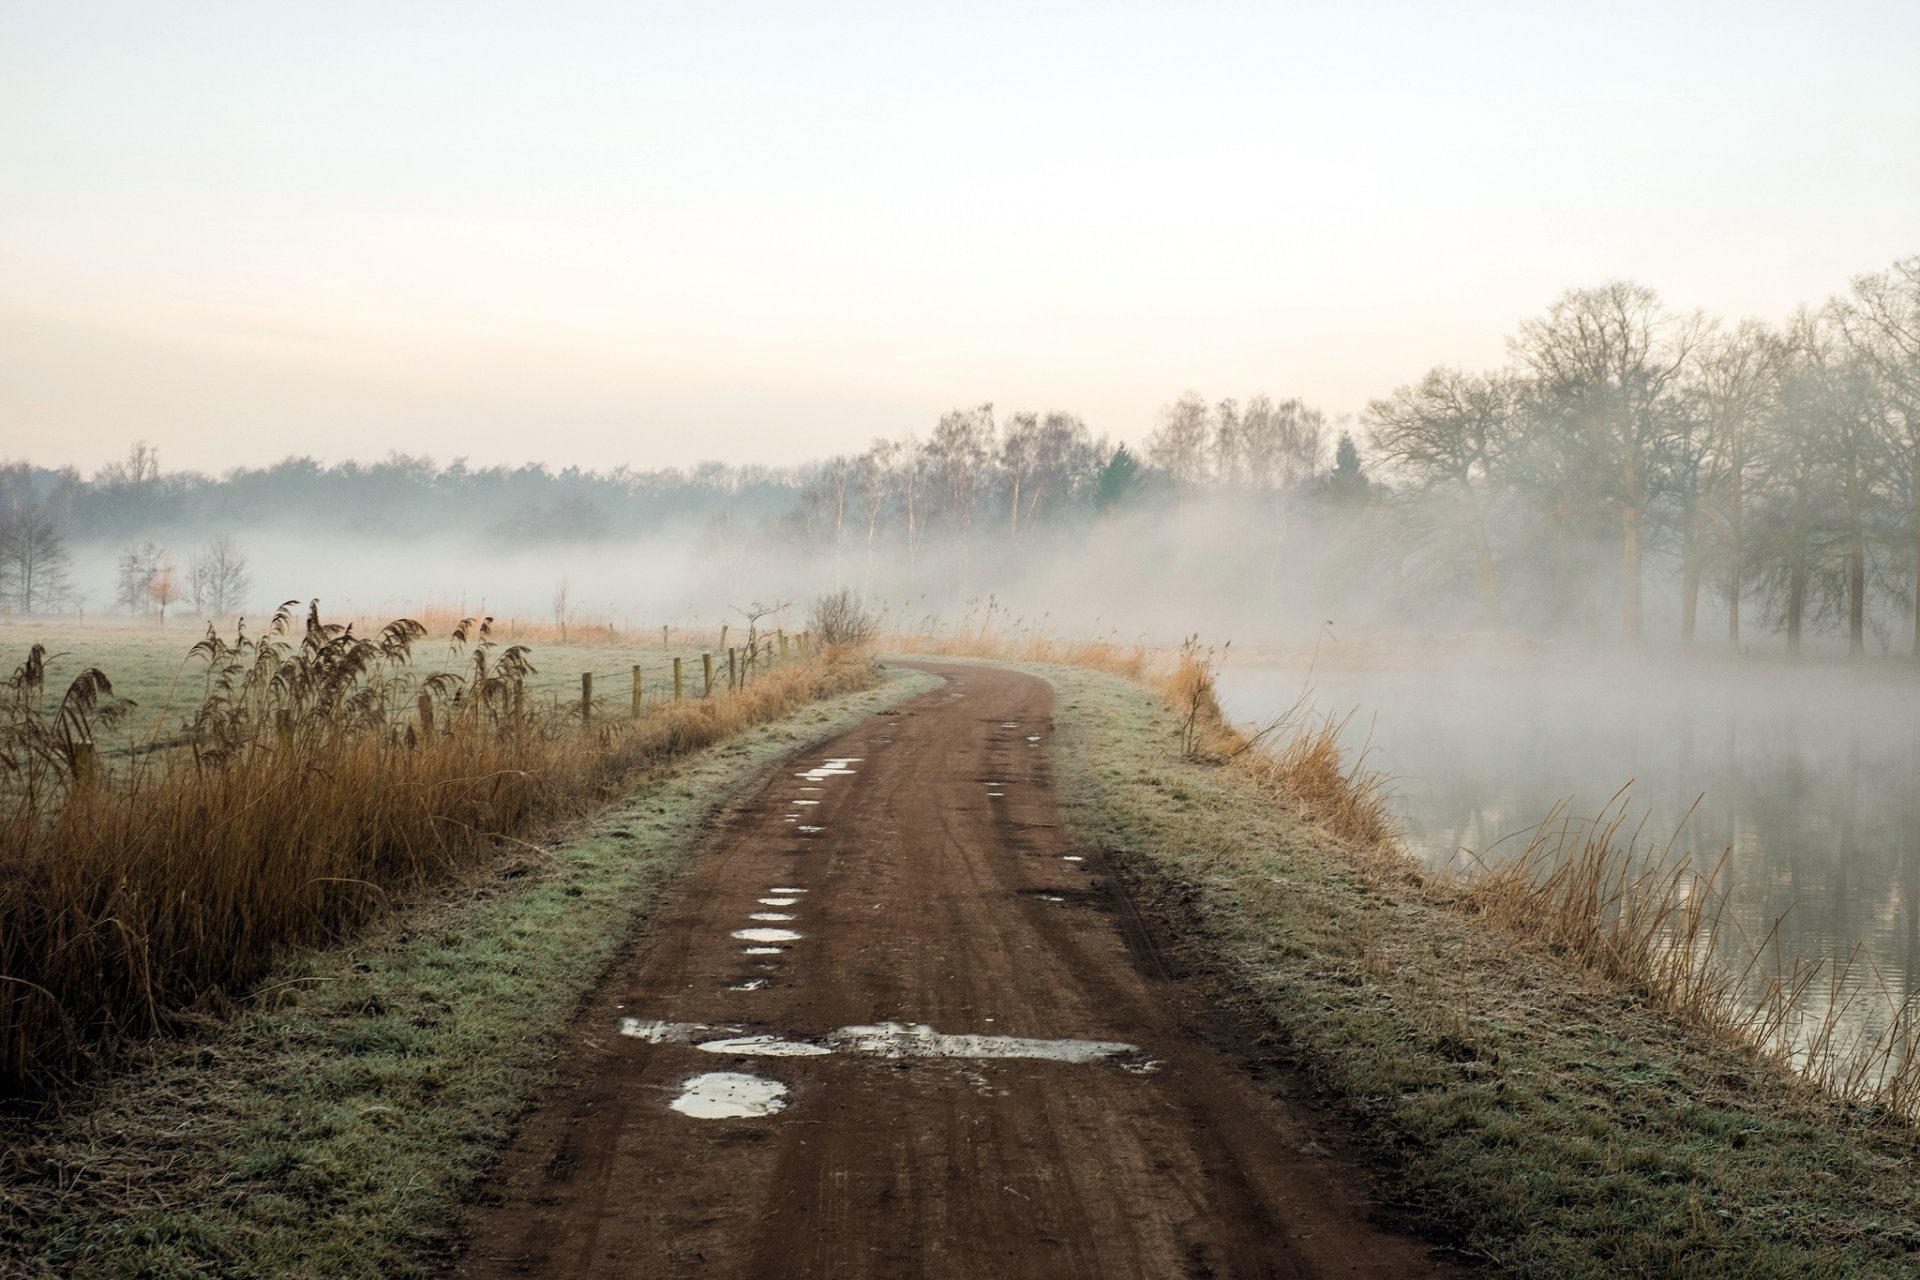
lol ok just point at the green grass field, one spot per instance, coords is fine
(152, 666)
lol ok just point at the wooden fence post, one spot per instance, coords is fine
(733, 670)
(723, 634)
(636, 691)
(678, 692)
(663, 638)
(586, 698)
(783, 646)
(706, 664)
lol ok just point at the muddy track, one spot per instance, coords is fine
(972, 1060)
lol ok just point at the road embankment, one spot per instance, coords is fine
(1534, 1115)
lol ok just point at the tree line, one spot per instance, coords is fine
(1774, 469)
(1628, 461)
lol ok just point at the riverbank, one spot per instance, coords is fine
(335, 1125)
(1530, 1113)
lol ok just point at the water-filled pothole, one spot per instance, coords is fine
(892, 1040)
(766, 935)
(771, 917)
(778, 902)
(729, 1095)
(747, 984)
(760, 951)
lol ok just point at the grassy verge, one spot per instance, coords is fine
(1528, 1110)
(334, 1126)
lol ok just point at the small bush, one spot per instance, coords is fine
(838, 618)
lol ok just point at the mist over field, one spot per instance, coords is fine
(1634, 476)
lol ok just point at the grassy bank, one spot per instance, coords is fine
(334, 1125)
(1529, 1110)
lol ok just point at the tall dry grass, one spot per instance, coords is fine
(323, 775)
(1660, 925)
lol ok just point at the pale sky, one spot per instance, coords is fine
(598, 233)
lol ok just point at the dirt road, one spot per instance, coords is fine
(964, 1067)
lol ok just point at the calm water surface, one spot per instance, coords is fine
(1810, 776)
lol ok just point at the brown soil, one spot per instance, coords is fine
(930, 902)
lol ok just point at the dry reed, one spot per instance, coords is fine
(325, 775)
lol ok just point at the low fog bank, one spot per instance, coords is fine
(1305, 579)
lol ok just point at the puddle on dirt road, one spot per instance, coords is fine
(801, 802)
(729, 1095)
(778, 902)
(764, 1046)
(891, 1040)
(747, 984)
(761, 951)
(1051, 897)
(766, 935)
(781, 888)
(807, 830)
(771, 917)
(1065, 857)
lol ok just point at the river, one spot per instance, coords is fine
(1809, 775)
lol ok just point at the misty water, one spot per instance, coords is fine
(1808, 775)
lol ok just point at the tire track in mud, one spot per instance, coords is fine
(970, 1066)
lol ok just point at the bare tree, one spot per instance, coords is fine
(562, 606)
(1606, 361)
(1734, 377)
(33, 558)
(875, 476)
(1881, 325)
(163, 588)
(1279, 446)
(1181, 444)
(1019, 459)
(1450, 436)
(135, 571)
(217, 577)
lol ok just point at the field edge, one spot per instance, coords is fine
(336, 1126)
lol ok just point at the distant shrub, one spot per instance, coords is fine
(839, 618)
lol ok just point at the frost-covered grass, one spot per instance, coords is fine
(1526, 1109)
(334, 1126)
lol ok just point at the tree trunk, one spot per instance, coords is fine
(1915, 464)
(1856, 567)
(1631, 629)
(1483, 565)
(1796, 597)
(1489, 584)
(1689, 592)
(1735, 572)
